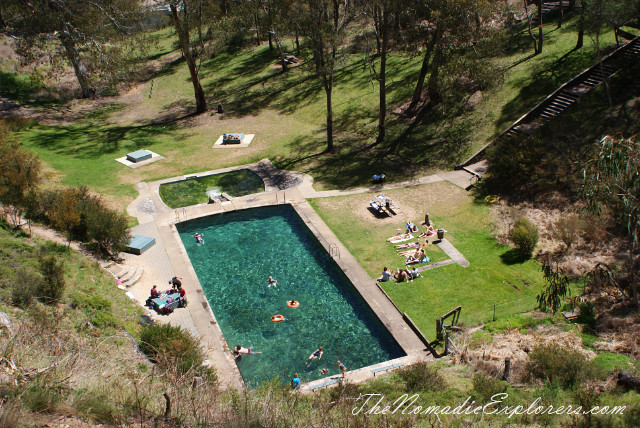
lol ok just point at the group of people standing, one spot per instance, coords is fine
(176, 288)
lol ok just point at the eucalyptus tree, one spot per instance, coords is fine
(324, 22)
(190, 19)
(454, 31)
(611, 184)
(88, 34)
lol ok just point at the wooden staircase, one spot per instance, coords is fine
(567, 95)
(548, 7)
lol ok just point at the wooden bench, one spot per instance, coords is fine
(324, 384)
(385, 368)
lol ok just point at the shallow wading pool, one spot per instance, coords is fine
(241, 250)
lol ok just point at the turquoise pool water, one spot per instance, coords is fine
(241, 250)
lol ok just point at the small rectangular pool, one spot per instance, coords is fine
(241, 250)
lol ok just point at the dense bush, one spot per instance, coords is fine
(485, 386)
(167, 345)
(421, 376)
(52, 286)
(561, 366)
(568, 229)
(84, 217)
(24, 288)
(524, 235)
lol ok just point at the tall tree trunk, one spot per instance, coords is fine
(80, 70)
(580, 41)
(417, 93)
(561, 14)
(376, 28)
(255, 21)
(529, 29)
(634, 282)
(433, 87)
(183, 38)
(270, 42)
(382, 76)
(297, 43)
(540, 32)
(328, 89)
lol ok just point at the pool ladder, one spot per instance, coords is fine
(334, 251)
(181, 214)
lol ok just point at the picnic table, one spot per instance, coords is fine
(388, 204)
(166, 300)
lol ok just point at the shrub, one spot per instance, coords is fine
(52, 287)
(524, 236)
(559, 365)
(24, 288)
(421, 376)
(486, 386)
(97, 406)
(97, 309)
(587, 315)
(41, 398)
(568, 229)
(171, 346)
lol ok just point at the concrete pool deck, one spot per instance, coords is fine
(168, 258)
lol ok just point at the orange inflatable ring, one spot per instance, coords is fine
(277, 318)
(293, 303)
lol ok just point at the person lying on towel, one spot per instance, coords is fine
(400, 238)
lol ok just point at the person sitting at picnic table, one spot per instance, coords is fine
(400, 275)
(154, 292)
(183, 296)
(386, 274)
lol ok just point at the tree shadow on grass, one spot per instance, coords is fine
(88, 141)
(513, 257)
(543, 80)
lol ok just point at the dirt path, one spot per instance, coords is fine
(75, 109)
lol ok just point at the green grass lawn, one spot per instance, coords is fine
(194, 191)
(494, 276)
(287, 114)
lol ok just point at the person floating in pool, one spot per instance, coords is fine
(239, 350)
(199, 238)
(316, 354)
(272, 282)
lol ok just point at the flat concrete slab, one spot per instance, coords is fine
(245, 141)
(451, 251)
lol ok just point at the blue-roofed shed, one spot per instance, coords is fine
(139, 156)
(139, 244)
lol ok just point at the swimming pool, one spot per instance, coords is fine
(242, 249)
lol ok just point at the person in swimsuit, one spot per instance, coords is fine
(199, 238)
(316, 354)
(239, 350)
(342, 368)
(272, 282)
